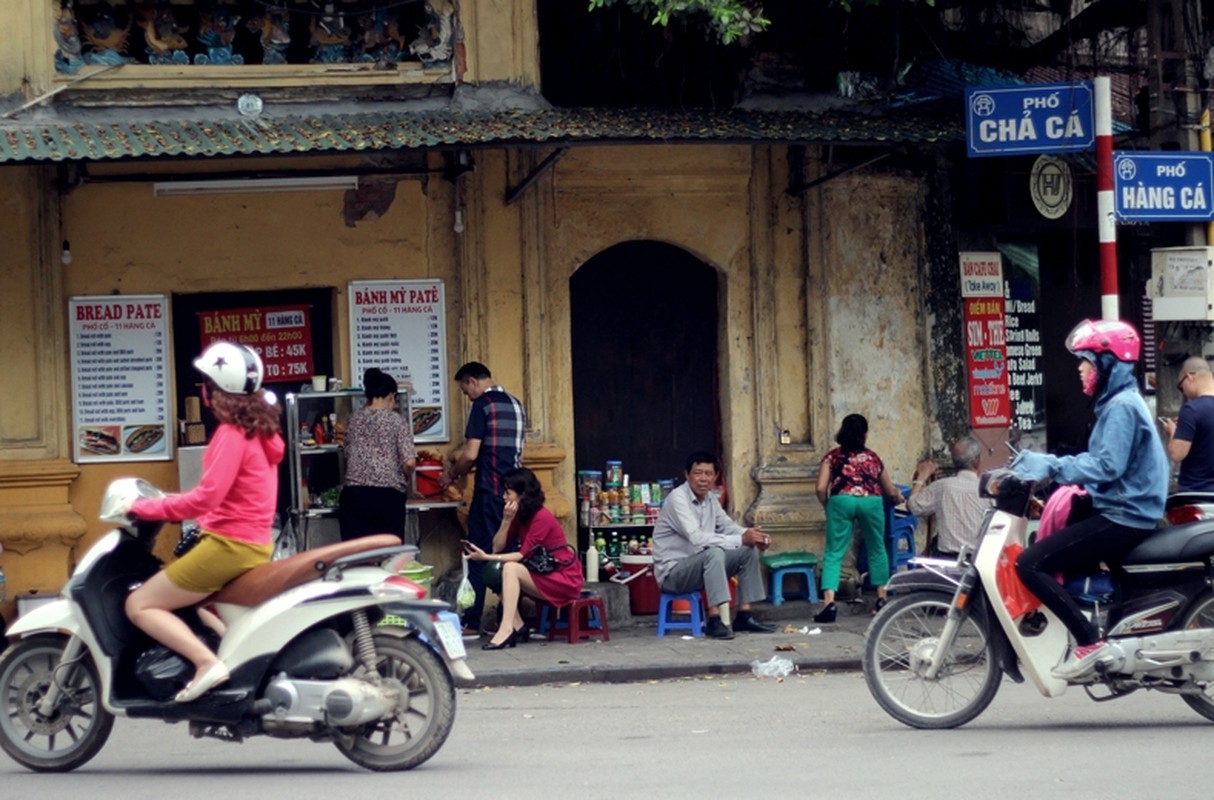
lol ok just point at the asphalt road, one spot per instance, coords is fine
(817, 735)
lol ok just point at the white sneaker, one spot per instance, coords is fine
(1081, 661)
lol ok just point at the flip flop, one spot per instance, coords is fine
(216, 674)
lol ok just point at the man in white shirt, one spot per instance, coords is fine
(696, 546)
(953, 501)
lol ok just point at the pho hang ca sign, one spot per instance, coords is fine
(1172, 186)
(985, 340)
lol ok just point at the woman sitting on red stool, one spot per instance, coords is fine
(527, 522)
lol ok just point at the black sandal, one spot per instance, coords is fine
(828, 613)
(877, 606)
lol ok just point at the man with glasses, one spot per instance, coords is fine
(1191, 435)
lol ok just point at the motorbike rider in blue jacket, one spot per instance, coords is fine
(1125, 471)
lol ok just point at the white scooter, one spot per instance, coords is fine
(330, 645)
(935, 654)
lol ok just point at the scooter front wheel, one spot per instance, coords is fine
(899, 647)
(74, 731)
(423, 717)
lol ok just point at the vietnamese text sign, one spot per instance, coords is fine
(986, 343)
(281, 335)
(120, 366)
(1037, 118)
(400, 327)
(1171, 186)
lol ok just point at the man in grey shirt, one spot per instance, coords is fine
(953, 501)
(696, 546)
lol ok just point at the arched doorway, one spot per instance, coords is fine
(644, 328)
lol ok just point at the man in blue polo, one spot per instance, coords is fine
(493, 443)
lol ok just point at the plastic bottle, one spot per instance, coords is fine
(592, 564)
(3, 586)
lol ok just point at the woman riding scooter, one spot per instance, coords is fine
(233, 502)
(1125, 471)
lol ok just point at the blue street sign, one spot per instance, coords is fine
(1171, 186)
(1038, 118)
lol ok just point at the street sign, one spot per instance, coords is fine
(1037, 118)
(1172, 186)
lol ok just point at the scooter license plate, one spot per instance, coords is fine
(453, 643)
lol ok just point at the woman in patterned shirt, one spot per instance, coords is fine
(379, 461)
(851, 483)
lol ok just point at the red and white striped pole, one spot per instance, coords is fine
(1106, 224)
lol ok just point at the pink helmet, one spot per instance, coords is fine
(1105, 336)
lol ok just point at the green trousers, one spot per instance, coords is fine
(842, 512)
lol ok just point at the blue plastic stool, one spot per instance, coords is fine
(900, 542)
(695, 624)
(808, 592)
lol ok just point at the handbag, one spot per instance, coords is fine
(542, 561)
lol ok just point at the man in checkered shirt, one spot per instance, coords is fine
(493, 443)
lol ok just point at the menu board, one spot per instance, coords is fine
(120, 369)
(985, 340)
(399, 327)
(281, 335)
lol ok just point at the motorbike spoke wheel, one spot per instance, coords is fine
(78, 727)
(897, 647)
(1201, 615)
(421, 720)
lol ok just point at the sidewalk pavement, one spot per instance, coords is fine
(636, 653)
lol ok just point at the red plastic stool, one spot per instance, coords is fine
(585, 617)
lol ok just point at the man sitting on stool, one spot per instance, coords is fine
(953, 501)
(697, 546)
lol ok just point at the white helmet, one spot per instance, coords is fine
(235, 368)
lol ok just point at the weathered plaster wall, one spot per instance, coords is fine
(872, 250)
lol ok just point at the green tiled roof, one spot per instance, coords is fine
(86, 136)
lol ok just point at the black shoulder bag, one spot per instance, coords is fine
(542, 561)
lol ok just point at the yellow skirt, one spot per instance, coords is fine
(214, 561)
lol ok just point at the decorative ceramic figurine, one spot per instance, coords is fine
(273, 28)
(216, 30)
(433, 44)
(107, 41)
(381, 40)
(165, 44)
(330, 38)
(68, 58)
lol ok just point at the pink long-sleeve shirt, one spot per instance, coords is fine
(237, 493)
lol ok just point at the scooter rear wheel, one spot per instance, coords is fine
(1201, 615)
(424, 717)
(78, 727)
(896, 646)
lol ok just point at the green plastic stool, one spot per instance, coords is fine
(781, 565)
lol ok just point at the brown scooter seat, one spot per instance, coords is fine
(261, 583)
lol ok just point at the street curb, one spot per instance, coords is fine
(634, 674)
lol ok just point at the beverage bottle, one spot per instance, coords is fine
(3, 586)
(592, 564)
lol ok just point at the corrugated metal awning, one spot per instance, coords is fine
(84, 135)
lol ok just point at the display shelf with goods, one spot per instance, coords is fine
(316, 462)
(617, 515)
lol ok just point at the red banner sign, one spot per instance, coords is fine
(986, 362)
(281, 335)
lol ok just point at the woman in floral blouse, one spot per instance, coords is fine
(851, 483)
(379, 461)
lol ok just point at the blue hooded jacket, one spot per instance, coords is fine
(1125, 469)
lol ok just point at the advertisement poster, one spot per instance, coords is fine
(281, 335)
(400, 328)
(1024, 349)
(985, 340)
(120, 378)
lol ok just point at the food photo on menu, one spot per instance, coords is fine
(144, 438)
(426, 418)
(100, 440)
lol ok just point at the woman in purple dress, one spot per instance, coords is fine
(527, 522)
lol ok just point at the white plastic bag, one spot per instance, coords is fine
(774, 667)
(466, 596)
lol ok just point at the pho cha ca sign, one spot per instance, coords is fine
(1039, 118)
